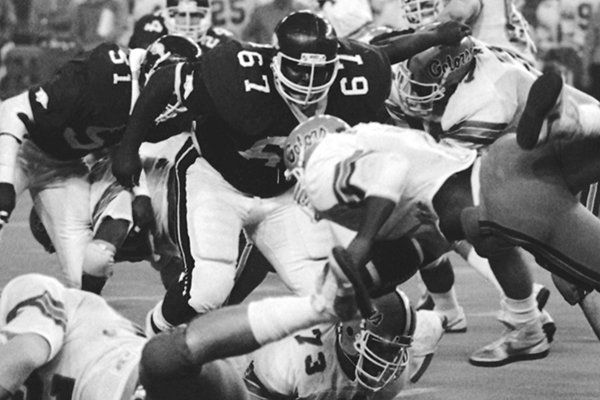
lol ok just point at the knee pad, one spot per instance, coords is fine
(99, 258)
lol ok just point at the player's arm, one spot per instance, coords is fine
(149, 105)
(12, 133)
(32, 309)
(405, 46)
(382, 179)
(465, 11)
(19, 357)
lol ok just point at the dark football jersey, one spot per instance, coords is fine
(85, 106)
(234, 92)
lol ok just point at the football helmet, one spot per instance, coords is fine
(306, 63)
(378, 346)
(167, 50)
(191, 18)
(303, 140)
(429, 76)
(419, 13)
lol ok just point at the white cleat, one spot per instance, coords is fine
(428, 333)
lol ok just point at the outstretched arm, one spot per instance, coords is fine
(403, 47)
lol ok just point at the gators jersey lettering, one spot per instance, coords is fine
(85, 107)
(94, 351)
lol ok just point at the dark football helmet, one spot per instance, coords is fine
(167, 50)
(378, 346)
(307, 61)
(431, 75)
(191, 18)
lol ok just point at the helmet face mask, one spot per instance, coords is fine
(380, 360)
(188, 18)
(380, 343)
(419, 13)
(425, 81)
(306, 63)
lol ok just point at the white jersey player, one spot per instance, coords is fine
(94, 351)
(324, 361)
(496, 22)
(341, 173)
(63, 343)
(480, 97)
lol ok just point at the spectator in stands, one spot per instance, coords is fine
(8, 21)
(265, 17)
(591, 55)
(98, 21)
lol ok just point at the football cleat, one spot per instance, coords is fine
(425, 302)
(456, 324)
(526, 342)
(543, 102)
(428, 333)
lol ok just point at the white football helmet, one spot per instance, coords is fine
(303, 140)
(191, 18)
(378, 346)
(429, 76)
(419, 13)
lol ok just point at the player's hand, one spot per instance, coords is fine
(143, 214)
(451, 32)
(8, 198)
(126, 166)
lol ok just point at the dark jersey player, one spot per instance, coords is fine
(247, 98)
(46, 132)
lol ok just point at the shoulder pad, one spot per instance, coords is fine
(109, 77)
(239, 79)
(362, 85)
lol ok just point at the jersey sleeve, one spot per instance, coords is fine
(367, 174)
(35, 304)
(54, 101)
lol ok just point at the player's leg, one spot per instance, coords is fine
(208, 221)
(438, 277)
(296, 246)
(554, 111)
(64, 211)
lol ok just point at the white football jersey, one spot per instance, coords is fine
(304, 365)
(403, 165)
(490, 101)
(95, 352)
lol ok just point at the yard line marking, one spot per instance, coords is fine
(415, 392)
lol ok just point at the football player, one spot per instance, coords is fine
(443, 99)
(65, 343)
(353, 358)
(48, 130)
(248, 98)
(498, 23)
(379, 170)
